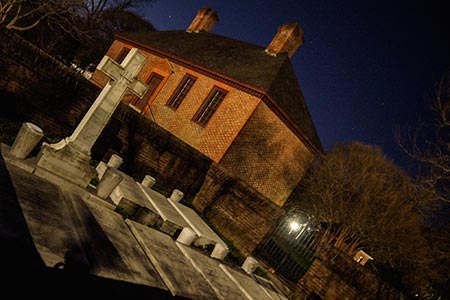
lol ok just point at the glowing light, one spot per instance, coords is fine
(294, 226)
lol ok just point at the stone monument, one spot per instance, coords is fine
(70, 157)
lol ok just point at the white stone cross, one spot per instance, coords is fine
(70, 158)
(122, 77)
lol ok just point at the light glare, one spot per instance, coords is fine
(294, 226)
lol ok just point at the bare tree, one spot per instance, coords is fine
(428, 145)
(365, 202)
(81, 29)
(99, 34)
(23, 15)
(26, 14)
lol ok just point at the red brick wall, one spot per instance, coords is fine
(244, 136)
(267, 156)
(229, 118)
(242, 215)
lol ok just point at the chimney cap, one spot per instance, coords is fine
(288, 38)
(205, 20)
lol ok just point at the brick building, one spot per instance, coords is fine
(238, 104)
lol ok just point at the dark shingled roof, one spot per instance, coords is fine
(245, 62)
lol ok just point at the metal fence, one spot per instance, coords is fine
(290, 249)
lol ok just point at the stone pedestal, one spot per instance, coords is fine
(66, 161)
(27, 138)
(70, 158)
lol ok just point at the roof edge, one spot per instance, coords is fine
(287, 119)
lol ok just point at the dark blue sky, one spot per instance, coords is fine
(364, 67)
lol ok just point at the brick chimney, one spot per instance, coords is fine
(204, 21)
(288, 38)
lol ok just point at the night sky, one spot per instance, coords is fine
(364, 67)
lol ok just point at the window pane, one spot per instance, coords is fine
(153, 83)
(123, 53)
(181, 91)
(209, 106)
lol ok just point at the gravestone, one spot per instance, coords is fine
(205, 235)
(210, 269)
(246, 283)
(172, 222)
(81, 239)
(175, 269)
(70, 157)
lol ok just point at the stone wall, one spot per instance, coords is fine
(334, 275)
(149, 149)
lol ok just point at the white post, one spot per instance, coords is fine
(148, 181)
(187, 236)
(219, 251)
(250, 264)
(115, 161)
(176, 196)
(27, 138)
(110, 180)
